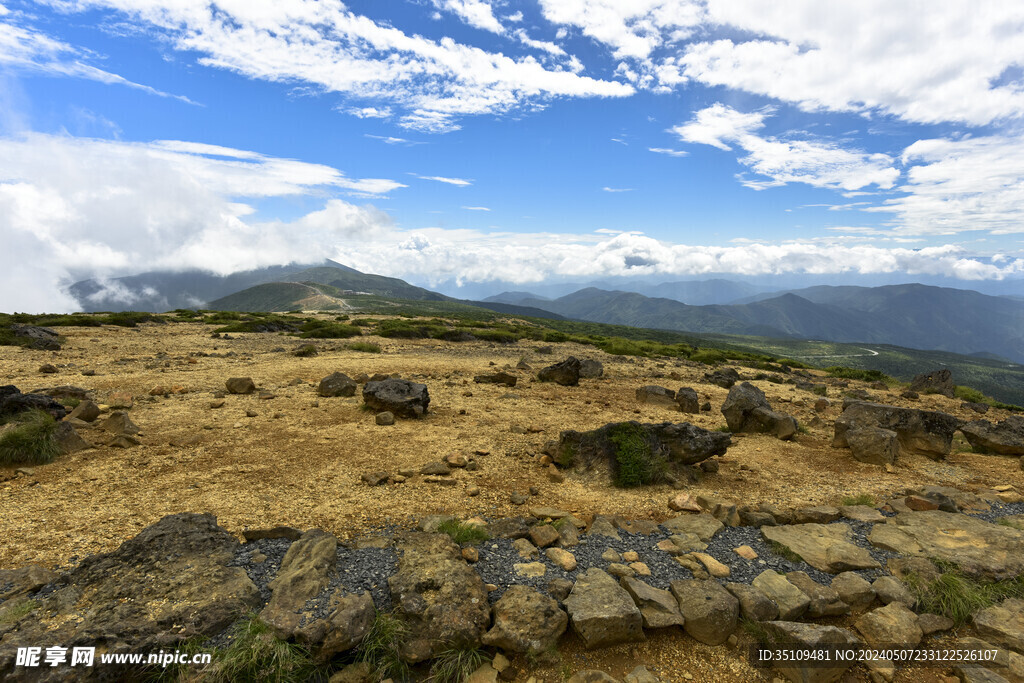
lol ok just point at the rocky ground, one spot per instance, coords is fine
(284, 455)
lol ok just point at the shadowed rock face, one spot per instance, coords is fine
(747, 410)
(924, 432)
(1002, 438)
(936, 382)
(665, 445)
(168, 584)
(12, 402)
(566, 373)
(398, 396)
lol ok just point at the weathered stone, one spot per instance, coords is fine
(504, 378)
(591, 676)
(566, 373)
(1003, 623)
(563, 559)
(934, 623)
(68, 440)
(440, 597)
(683, 502)
(602, 612)
(350, 619)
(891, 625)
(922, 432)
(703, 526)
(13, 402)
(530, 570)
(935, 382)
(375, 478)
(861, 513)
(525, 620)
(640, 674)
(889, 589)
(853, 589)
(591, 369)
(825, 601)
(655, 395)
(40, 338)
(753, 603)
(722, 377)
(86, 411)
(305, 572)
(747, 410)
(602, 526)
(710, 612)
(384, 419)
(791, 601)
(658, 608)
(812, 636)
(397, 396)
(821, 514)
(15, 582)
(240, 385)
(543, 535)
(290, 533)
(825, 547)
(1003, 438)
(873, 445)
(120, 423)
(687, 400)
(713, 566)
(336, 384)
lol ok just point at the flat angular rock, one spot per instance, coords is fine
(543, 535)
(710, 612)
(658, 608)
(1002, 438)
(853, 589)
(503, 378)
(566, 373)
(753, 603)
(120, 423)
(892, 625)
(889, 589)
(655, 395)
(68, 440)
(1003, 623)
(305, 572)
(747, 410)
(87, 411)
(791, 601)
(397, 396)
(825, 547)
(703, 526)
(336, 384)
(240, 385)
(525, 620)
(825, 601)
(821, 514)
(346, 625)
(980, 549)
(873, 445)
(812, 636)
(602, 612)
(861, 513)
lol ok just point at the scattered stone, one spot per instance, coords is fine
(710, 612)
(754, 604)
(68, 440)
(563, 559)
(825, 601)
(826, 547)
(86, 411)
(602, 612)
(566, 373)
(873, 445)
(791, 601)
(385, 418)
(240, 385)
(378, 478)
(305, 572)
(934, 623)
(1003, 623)
(526, 620)
(400, 397)
(590, 368)
(812, 636)
(935, 382)
(543, 535)
(703, 526)
(497, 378)
(683, 502)
(822, 514)
(530, 570)
(658, 608)
(746, 552)
(747, 410)
(722, 377)
(687, 400)
(889, 625)
(336, 384)
(713, 566)
(619, 570)
(861, 513)
(853, 589)
(656, 395)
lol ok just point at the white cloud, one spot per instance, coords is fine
(961, 185)
(474, 12)
(780, 161)
(29, 50)
(921, 62)
(460, 182)
(324, 45)
(616, 189)
(669, 152)
(371, 112)
(391, 140)
(73, 208)
(476, 208)
(546, 46)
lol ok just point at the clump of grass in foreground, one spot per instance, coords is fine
(957, 596)
(256, 655)
(456, 664)
(379, 648)
(635, 461)
(462, 532)
(365, 347)
(14, 612)
(860, 499)
(31, 440)
(785, 552)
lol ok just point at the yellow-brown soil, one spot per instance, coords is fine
(299, 460)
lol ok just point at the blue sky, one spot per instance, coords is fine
(491, 141)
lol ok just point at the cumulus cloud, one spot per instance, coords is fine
(323, 45)
(72, 208)
(781, 161)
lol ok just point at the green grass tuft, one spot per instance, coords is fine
(462, 532)
(860, 499)
(365, 347)
(256, 654)
(305, 351)
(379, 648)
(31, 441)
(16, 612)
(785, 552)
(856, 373)
(455, 665)
(957, 596)
(635, 462)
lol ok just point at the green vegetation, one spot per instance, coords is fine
(305, 351)
(785, 552)
(256, 655)
(455, 665)
(756, 630)
(635, 461)
(379, 648)
(843, 372)
(820, 390)
(724, 429)
(860, 499)
(365, 347)
(957, 596)
(31, 440)
(15, 612)
(462, 532)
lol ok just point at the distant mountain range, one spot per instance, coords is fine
(916, 316)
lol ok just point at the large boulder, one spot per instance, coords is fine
(41, 338)
(1003, 623)
(710, 612)
(438, 595)
(526, 620)
(923, 432)
(826, 547)
(170, 584)
(722, 377)
(935, 382)
(873, 445)
(656, 395)
(602, 612)
(649, 450)
(566, 373)
(687, 400)
(747, 410)
(12, 402)
(980, 549)
(336, 384)
(1003, 438)
(398, 396)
